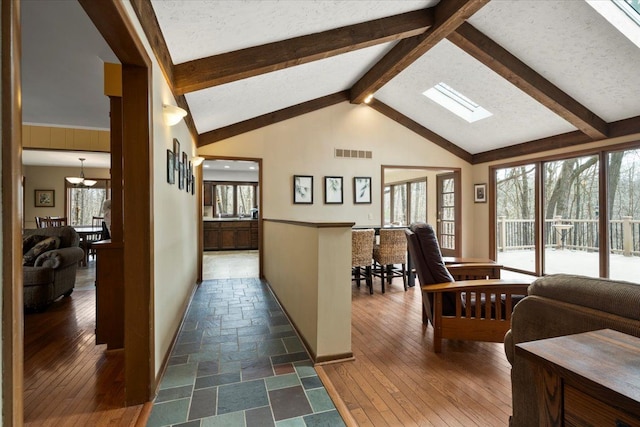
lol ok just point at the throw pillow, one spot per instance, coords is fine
(30, 241)
(48, 244)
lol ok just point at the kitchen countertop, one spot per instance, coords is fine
(209, 218)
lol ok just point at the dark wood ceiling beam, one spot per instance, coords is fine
(241, 64)
(494, 56)
(405, 121)
(448, 16)
(271, 118)
(149, 22)
(621, 128)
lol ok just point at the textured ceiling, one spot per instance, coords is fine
(566, 42)
(197, 28)
(234, 102)
(574, 47)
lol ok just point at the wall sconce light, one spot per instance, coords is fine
(197, 161)
(172, 114)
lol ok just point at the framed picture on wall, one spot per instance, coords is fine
(302, 189)
(171, 169)
(480, 193)
(361, 189)
(333, 189)
(45, 198)
(176, 152)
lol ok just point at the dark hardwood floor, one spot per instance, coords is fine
(68, 379)
(397, 380)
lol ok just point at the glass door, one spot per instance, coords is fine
(448, 206)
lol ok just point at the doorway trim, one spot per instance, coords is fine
(113, 23)
(260, 215)
(12, 213)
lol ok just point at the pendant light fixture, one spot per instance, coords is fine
(80, 181)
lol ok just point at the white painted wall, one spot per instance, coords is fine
(175, 217)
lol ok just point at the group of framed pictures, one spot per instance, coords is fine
(333, 189)
(183, 167)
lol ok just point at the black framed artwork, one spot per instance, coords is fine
(303, 189)
(176, 153)
(361, 190)
(333, 190)
(171, 169)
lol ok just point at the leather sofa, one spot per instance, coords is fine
(559, 305)
(53, 273)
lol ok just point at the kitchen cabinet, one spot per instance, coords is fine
(109, 294)
(230, 234)
(208, 193)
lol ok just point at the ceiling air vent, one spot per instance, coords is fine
(353, 154)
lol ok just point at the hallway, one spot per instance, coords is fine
(238, 360)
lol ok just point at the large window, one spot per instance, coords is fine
(548, 215)
(83, 203)
(405, 202)
(234, 199)
(623, 206)
(570, 207)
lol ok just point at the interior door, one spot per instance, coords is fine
(448, 213)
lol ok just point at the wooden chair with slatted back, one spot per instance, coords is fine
(57, 221)
(474, 310)
(40, 221)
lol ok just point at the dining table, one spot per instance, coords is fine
(87, 234)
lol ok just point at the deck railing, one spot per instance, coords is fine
(576, 234)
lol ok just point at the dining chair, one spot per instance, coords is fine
(96, 222)
(361, 255)
(40, 221)
(57, 221)
(391, 251)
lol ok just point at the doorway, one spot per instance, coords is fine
(231, 218)
(424, 193)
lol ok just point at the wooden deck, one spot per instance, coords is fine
(397, 380)
(68, 380)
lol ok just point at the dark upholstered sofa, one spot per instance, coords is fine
(560, 305)
(54, 271)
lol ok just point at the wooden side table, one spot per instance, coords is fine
(591, 378)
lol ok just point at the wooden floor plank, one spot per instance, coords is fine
(69, 380)
(397, 379)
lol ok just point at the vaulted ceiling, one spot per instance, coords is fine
(552, 73)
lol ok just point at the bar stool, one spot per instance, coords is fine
(392, 250)
(361, 254)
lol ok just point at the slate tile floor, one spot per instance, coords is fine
(238, 362)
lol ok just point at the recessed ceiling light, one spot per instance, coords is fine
(457, 103)
(227, 166)
(252, 167)
(206, 165)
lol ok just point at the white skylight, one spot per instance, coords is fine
(622, 14)
(456, 102)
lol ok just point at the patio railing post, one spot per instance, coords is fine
(557, 220)
(502, 222)
(627, 236)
